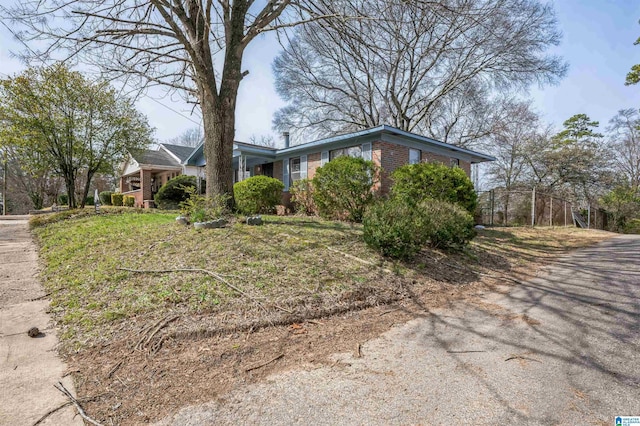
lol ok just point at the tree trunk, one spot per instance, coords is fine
(219, 133)
(85, 192)
(71, 191)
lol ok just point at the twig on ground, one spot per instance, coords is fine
(146, 338)
(359, 351)
(66, 404)
(315, 322)
(75, 402)
(114, 369)
(200, 270)
(388, 312)
(463, 352)
(522, 358)
(42, 297)
(264, 364)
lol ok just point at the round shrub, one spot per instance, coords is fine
(446, 225)
(344, 187)
(258, 194)
(436, 181)
(105, 198)
(172, 193)
(89, 201)
(302, 197)
(116, 199)
(389, 226)
(399, 228)
(63, 199)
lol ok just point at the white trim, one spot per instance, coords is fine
(285, 173)
(366, 151)
(324, 158)
(303, 167)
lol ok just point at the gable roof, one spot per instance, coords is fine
(156, 158)
(180, 151)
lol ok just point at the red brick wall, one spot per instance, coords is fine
(313, 163)
(145, 184)
(277, 170)
(389, 156)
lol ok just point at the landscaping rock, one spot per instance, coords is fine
(182, 220)
(212, 224)
(254, 220)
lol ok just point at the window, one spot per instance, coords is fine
(454, 162)
(352, 151)
(294, 170)
(414, 156)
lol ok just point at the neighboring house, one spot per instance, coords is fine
(144, 172)
(386, 146)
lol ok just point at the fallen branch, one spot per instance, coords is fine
(200, 270)
(75, 402)
(60, 407)
(264, 364)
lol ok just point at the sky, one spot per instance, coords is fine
(597, 43)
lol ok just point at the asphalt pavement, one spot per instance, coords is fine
(563, 348)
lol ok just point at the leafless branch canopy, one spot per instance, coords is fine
(429, 67)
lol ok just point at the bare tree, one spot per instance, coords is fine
(193, 46)
(430, 67)
(509, 143)
(190, 137)
(624, 140)
(263, 140)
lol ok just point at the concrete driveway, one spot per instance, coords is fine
(563, 348)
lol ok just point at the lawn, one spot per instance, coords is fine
(291, 267)
(295, 290)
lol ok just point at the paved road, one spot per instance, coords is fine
(29, 367)
(563, 348)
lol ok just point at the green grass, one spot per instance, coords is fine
(285, 260)
(290, 262)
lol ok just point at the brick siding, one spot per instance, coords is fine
(313, 163)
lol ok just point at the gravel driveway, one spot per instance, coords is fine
(563, 348)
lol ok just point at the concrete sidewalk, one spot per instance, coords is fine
(29, 367)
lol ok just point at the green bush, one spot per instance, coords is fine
(399, 228)
(446, 225)
(63, 199)
(390, 227)
(199, 208)
(129, 201)
(258, 194)
(344, 187)
(172, 193)
(89, 201)
(105, 198)
(436, 181)
(302, 197)
(116, 199)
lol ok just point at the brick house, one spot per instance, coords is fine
(386, 146)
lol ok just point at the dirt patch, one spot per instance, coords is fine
(150, 366)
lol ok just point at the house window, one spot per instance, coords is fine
(454, 162)
(352, 151)
(414, 156)
(294, 168)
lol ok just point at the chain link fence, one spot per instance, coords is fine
(499, 207)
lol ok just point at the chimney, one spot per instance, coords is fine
(286, 139)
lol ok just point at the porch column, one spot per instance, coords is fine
(145, 184)
(122, 184)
